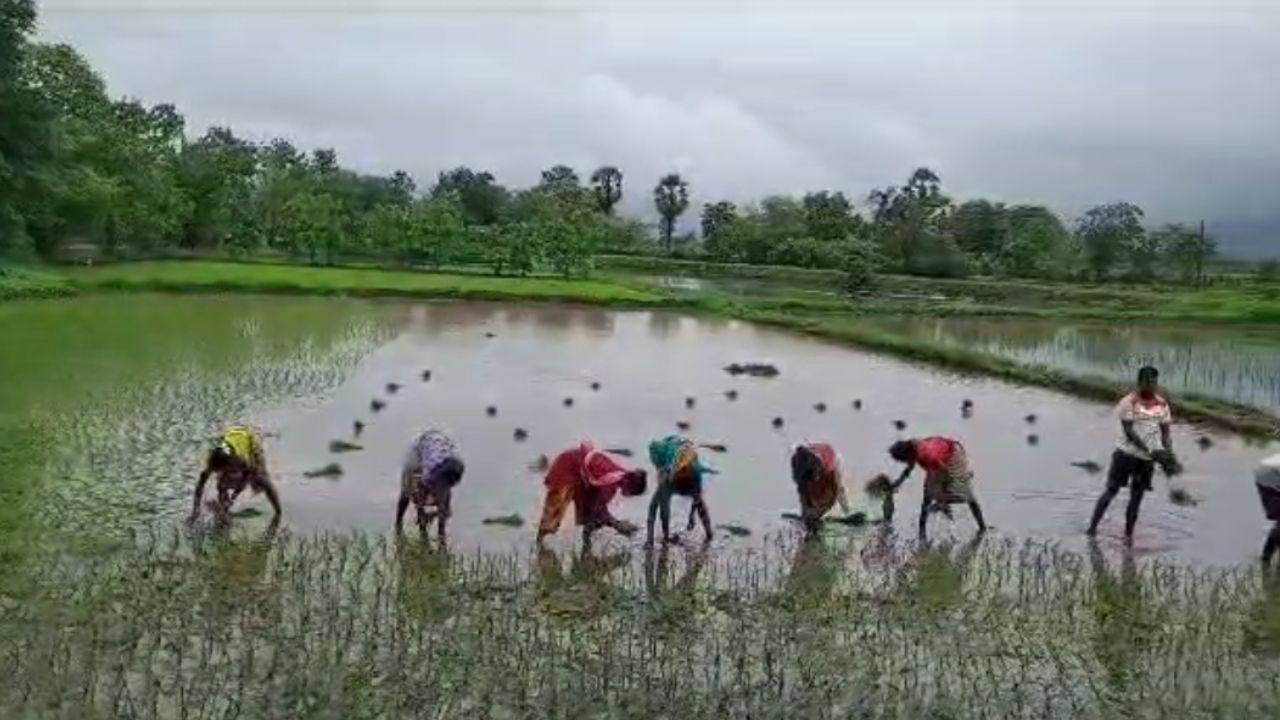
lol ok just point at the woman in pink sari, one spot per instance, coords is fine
(589, 479)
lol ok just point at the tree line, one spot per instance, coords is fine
(81, 169)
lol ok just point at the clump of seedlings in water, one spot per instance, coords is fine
(731, 394)
(1179, 496)
(341, 446)
(715, 447)
(764, 370)
(426, 376)
(1031, 419)
(376, 405)
(778, 422)
(900, 424)
(330, 470)
(512, 520)
(357, 427)
(878, 486)
(520, 434)
(1033, 439)
(683, 425)
(568, 402)
(820, 407)
(490, 334)
(735, 529)
(689, 402)
(1088, 466)
(1204, 441)
(540, 464)
(393, 388)
(491, 411)
(620, 451)
(595, 386)
(857, 404)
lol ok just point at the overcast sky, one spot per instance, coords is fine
(1174, 105)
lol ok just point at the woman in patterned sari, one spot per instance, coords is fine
(948, 478)
(589, 479)
(817, 473)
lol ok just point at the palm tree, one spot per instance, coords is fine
(606, 184)
(671, 197)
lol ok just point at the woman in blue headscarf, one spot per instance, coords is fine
(680, 472)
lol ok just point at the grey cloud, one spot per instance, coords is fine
(1173, 106)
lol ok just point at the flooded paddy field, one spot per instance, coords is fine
(117, 397)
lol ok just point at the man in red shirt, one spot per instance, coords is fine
(948, 478)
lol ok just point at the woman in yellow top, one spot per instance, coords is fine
(238, 461)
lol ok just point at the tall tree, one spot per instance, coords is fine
(828, 216)
(560, 178)
(716, 219)
(979, 227)
(671, 198)
(606, 186)
(24, 140)
(1107, 232)
(1188, 249)
(481, 197)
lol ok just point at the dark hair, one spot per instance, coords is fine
(219, 458)
(635, 482)
(1147, 373)
(903, 451)
(805, 465)
(450, 471)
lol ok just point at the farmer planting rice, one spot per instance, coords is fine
(239, 462)
(432, 468)
(680, 472)
(1268, 481)
(948, 478)
(1144, 440)
(589, 479)
(816, 471)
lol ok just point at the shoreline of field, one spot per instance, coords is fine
(803, 317)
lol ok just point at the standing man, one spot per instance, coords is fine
(1145, 419)
(1268, 480)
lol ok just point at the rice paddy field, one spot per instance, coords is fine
(111, 607)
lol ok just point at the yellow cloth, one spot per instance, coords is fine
(244, 444)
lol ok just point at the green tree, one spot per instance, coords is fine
(671, 198)
(715, 221)
(1188, 249)
(1106, 232)
(829, 216)
(909, 224)
(606, 186)
(862, 260)
(1035, 244)
(435, 231)
(217, 172)
(24, 138)
(482, 199)
(980, 227)
(311, 220)
(560, 178)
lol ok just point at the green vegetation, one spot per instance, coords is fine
(86, 176)
(351, 628)
(199, 276)
(17, 284)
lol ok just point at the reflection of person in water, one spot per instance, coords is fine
(237, 565)
(657, 568)
(940, 575)
(424, 570)
(584, 591)
(1122, 625)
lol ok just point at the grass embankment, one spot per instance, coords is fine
(339, 627)
(909, 295)
(205, 276)
(831, 321)
(18, 284)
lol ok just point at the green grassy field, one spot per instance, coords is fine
(19, 283)
(347, 627)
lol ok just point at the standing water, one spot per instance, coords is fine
(126, 391)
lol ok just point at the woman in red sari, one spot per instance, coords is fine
(589, 479)
(948, 479)
(817, 473)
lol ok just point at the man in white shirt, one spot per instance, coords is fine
(1145, 419)
(1267, 478)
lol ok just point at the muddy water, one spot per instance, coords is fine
(305, 369)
